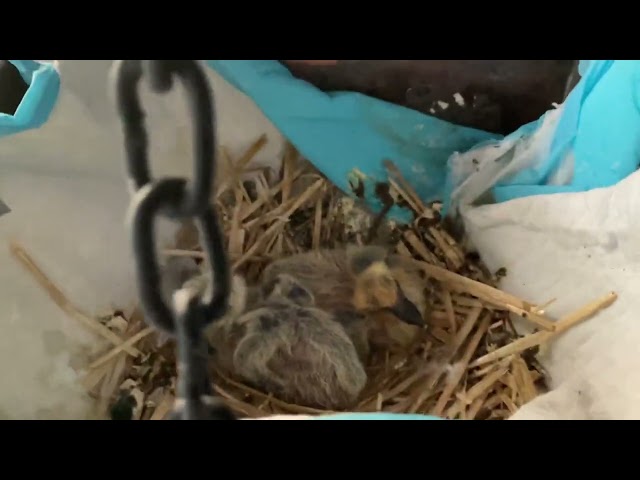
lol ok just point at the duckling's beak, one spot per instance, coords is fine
(407, 312)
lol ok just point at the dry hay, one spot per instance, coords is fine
(488, 373)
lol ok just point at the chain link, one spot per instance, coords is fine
(176, 198)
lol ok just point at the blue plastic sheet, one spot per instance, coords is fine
(39, 100)
(344, 134)
(599, 131)
(340, 132)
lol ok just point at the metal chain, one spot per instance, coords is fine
(176, 198)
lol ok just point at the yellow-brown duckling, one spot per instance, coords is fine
(377, 296)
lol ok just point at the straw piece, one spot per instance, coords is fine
(288, 167)
(476, 406)
(453, 255)
(461, 300)
(287, 406)
(448, 305)
(406, 383)
(163, 408)
(524, 380)
(455, 345)
(494, 401)
(317, 224)
(476, 391)
(402, 249)
(481, 372)
(508, 403)
(265, 199)
(238, 405)
(509, 382)
(539, 338)
(127, 343)
(236, 233)
(454, 380)
(62, 301)
(111, 382)
(466, 329)
(412, 239)
(404, 187)
(92, 379)
(487, 293)
(279, 225)
(241, 163)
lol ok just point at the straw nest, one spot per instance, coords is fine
(488, 373)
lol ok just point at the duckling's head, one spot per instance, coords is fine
(382, 285)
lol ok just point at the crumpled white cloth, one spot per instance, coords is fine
(575, 247)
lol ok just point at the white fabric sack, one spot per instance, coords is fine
(66, 189)
(575, 247)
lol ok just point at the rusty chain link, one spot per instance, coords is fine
(176, 198)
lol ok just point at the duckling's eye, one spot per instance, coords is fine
(297, 293)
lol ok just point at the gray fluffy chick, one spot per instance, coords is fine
(287, 347)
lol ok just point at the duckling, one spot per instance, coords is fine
(288, 347)
(378, 297)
